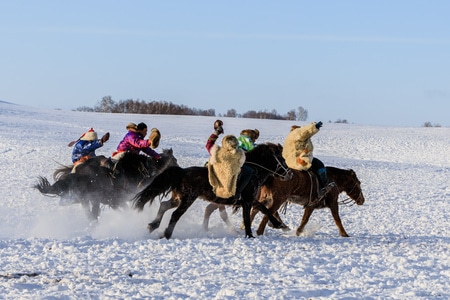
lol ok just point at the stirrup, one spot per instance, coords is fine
(327, 188)
(323, 192)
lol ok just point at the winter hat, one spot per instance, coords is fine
(253, 134)
(131, 126)
(256, 132)
(230, 143)
(90, 135)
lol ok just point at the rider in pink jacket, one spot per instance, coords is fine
(134, 142)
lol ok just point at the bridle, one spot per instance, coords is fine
(350, 201)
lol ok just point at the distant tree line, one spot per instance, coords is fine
(130, 106)
(428, 124)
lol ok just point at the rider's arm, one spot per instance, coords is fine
(151, 152)
(211, 141)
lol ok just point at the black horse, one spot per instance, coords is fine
(187, 184)
(93, 184)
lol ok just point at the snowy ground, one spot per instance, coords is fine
(400, 238)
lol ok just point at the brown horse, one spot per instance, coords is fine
(302, 189)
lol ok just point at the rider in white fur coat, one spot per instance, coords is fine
(298, 148)
(224, 166)
(298, 154)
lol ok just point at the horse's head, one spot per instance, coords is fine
(356, 194)
(269, 157)
(167, 160)
(349, 183)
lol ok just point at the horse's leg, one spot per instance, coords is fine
(275, 222)
(273, 210)
(254, 211)
(306, 215)
(95, 209)
(163, 207)
(262, 225)
(185, 203)
(246, 208)
(210, 208)
(334, 207)
(224, 216)
(86, 204)
(283, 225)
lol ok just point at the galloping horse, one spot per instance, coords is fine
(187, 184)
(92, 184)
(300, 189)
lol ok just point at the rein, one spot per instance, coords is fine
(287, 172)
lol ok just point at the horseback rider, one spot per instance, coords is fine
(134, 141)
(298, 153)
(226, 170)
(85, 147)
(247, 139)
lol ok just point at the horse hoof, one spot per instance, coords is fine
(151, 227)
(286, 228)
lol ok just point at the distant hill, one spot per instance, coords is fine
(1, 101)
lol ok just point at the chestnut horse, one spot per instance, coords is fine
(301, 189)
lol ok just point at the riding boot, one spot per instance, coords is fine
(325, 187)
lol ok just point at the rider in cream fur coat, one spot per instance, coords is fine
(224, 166)
(298, 148)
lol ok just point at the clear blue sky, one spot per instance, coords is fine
(369, 62)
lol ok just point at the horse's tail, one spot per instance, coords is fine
(161, 185)
(46, 188)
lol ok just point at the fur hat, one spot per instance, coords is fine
(251, 133)
(132, 126)
(230, 143)
(90, 135)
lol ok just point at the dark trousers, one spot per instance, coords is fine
(243, 179)
(318, 167)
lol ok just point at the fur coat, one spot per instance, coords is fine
(224, 166)
(298, 148)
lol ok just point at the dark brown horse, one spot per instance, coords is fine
(92, 184)
(302, 189)
(188, 184)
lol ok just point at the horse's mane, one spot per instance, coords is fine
(261, 148)
(131, 158)
(338, 171)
